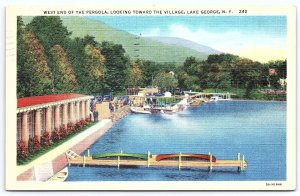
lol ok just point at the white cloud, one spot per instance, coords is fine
(151, 32)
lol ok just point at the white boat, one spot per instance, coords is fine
(182, 104)
(139, 110)
(60, 176)
(214, 98)
(218, 98)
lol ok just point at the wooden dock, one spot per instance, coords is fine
(74, 159)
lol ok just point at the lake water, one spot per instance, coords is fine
(256, 129)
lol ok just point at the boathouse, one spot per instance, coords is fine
(39, 114)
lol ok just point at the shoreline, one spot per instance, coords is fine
(258, 100)
(120, 113)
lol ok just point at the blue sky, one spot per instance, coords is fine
(258, 37)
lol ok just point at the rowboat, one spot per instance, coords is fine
(60, 176)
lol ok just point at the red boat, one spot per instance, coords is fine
(187, 157)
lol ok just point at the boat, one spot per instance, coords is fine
(214, 99)
(163, 110)
(60, 176)
(110, 156)
(220, 97)
(196, 102)
(187, 157)
(139, 110)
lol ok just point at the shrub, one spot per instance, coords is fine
(34, 145)
(46, 140)
(71, 127)
(83, 123)
(56, 137)
(87, 120)
(78, 125)
(22, 151)
(64, 132)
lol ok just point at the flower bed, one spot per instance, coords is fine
(37, 148)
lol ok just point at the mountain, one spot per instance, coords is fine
(185, 43)
(135, 46)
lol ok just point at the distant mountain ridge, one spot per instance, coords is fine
(145, 48)
(185, 43)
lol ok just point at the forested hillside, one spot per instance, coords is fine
(53, 59)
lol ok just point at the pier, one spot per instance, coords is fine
(202, 95)
(151, 160)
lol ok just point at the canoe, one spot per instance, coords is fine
(121, 155)
(200, 157)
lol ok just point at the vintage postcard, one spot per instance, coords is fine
(150, 98)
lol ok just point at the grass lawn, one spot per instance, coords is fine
(168, 100)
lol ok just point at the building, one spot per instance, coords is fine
(272, 72)
(168, 94)
(39, 114)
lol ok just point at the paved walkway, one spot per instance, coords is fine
(49, 156)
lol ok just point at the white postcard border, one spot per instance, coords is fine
(13, 184)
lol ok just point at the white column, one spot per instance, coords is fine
(57, 118)
(82, 110)
(87, 109)
(72, 113)
(37, 124)
(65, 115)
(25, 133)
(77, 111)
(48, 120)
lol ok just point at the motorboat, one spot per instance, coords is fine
(139, 110)
(219, 98)
(214, 98)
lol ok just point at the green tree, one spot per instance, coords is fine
(222, 58)
(192, 83)
(149, 70)
(189, 64)
(95, 66)
(90, 40)
(77, 58)
(135, 75)
(248, 74)
(95, 62)
(116, 64)
(279, 66)
(195, 71)
(182, 76)
(218, 78)
(50, 31)
(166, 81)
(63, 74)
(36, 75)
(282, 69)
(21, 51)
